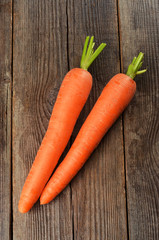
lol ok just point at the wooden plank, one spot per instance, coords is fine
(40, 63)
(139, 24)
(5, 117)
(98, 193)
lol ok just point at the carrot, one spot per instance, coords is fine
(113, 100)
(71, 98)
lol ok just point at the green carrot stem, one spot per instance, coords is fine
(135, 66)
(88, 55)
(85, 48)
(140, 72)
(90, 47)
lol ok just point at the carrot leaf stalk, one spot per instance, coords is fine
(89, 55)
(135, 66)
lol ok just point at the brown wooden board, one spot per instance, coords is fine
(5, 117)
(39, 65)
(139, 31)
(98, 193)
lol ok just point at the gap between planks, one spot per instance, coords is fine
(71, 140)
(11, 156)
(121, 70)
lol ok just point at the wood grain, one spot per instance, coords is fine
(98, 193)
(139, 25)
(39, 64)
(5, 117)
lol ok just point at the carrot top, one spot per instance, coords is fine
(88, 55)
(135, 66)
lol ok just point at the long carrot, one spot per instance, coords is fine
(113, 100)
(71, 98)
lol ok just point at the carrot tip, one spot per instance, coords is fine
(24, 205)
(22, 209)
(46, 197)
(43, 200)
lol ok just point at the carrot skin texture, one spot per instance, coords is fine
(113, 100)
(71, 98)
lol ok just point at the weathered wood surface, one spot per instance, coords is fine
(98, 194)
(48, 38)
(5, 117)
(139, 25)
(39, 64)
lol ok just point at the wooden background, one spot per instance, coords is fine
(116, 194)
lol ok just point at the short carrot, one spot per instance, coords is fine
(71, 98)
(113, 100)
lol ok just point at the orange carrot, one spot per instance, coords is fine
(113, 100)
(71, 98)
